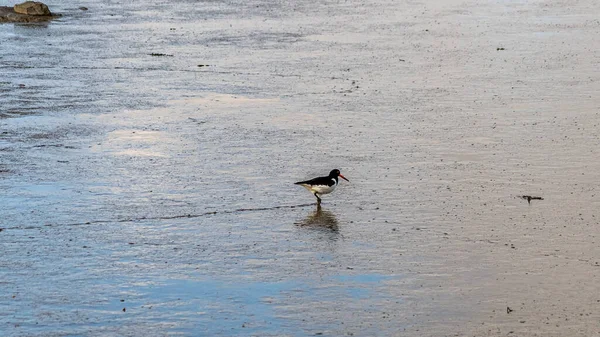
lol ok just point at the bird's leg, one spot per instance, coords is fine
(318, 199)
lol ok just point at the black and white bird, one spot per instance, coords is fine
(322, 185)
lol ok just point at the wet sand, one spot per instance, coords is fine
(148, 154)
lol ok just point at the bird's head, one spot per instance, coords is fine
(337, 173)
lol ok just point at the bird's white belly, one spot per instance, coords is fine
(321, 189)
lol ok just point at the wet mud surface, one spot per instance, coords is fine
(148, 154)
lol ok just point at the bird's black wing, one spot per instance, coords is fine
(317, 181)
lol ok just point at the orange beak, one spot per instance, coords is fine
(341, 176)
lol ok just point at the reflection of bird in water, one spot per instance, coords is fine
(322, 185)
(320, 219)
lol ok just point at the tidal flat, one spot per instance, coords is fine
(148, 152)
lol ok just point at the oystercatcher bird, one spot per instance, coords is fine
(322, 185)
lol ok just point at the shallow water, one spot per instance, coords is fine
(163, 185)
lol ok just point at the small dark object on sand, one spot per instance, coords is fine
(529, 198)
(83, 8)
(160, 54)
(509, 310)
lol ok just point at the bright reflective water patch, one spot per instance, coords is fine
(231, 308)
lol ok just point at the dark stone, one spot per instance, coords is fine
(32, 8)
(9, 15)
